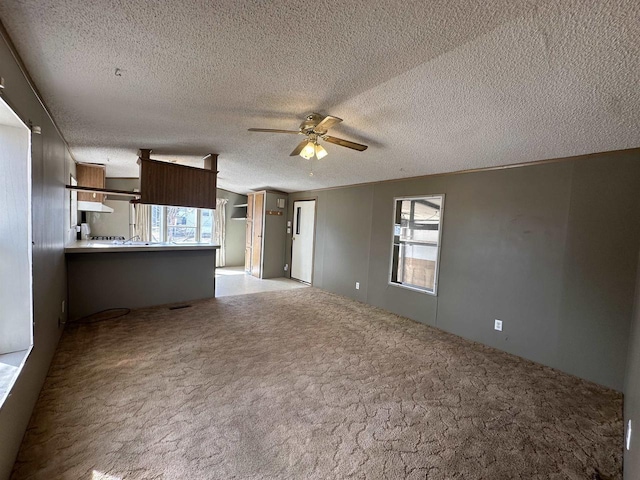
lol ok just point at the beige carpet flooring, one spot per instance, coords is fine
(303, 384)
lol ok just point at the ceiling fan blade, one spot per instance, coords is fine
(345, 143)
(298, 149)
(271, 130)
(326, 123)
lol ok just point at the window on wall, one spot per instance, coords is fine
(16, 294)
(416, 242)
(181, 224)
(157, 223)
(206, 226)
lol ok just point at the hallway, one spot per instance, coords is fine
(234, 281)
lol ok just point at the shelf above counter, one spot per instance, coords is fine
(105, 191)
(240, 213)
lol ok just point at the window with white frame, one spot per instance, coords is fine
(16, 282)
(416, 242)
(181, 224)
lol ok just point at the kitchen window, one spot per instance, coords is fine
(181, 224)
(417, 233)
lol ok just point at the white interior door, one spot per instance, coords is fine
(304, 221)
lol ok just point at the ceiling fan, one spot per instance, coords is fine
(315, 127)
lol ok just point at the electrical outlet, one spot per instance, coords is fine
(628, 442)
(286, 267)
(357, 285)
(498, 325)
(62, 306)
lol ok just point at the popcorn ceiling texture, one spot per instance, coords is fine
(431, 86)
(304, 384)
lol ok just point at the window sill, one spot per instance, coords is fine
(415, 289)
(10, 367)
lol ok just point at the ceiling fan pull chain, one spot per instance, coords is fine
(311, 167)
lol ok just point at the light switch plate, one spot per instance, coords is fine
(498, 325)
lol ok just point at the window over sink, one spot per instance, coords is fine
(181, 224)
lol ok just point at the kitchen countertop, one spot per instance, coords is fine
(110, 246)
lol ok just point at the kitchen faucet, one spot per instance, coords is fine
(132, 239)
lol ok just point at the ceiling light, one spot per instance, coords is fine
(308, 151)
(320, 152)
(312, 149)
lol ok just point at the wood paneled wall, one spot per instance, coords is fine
(163, 183)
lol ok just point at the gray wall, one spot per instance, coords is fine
(274, 232)
(100, 281)
(236, 229)
(343, 234)
(51, 167)
(632, 392)
(549, 249)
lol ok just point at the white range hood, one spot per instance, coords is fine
(93, 207)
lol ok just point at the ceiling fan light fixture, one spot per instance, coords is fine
(314, 127)
(308, 151)
(320, 152)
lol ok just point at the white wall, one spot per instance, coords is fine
(111, 224)
(15, 234)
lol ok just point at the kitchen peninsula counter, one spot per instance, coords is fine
(102, 246)
(103, 275)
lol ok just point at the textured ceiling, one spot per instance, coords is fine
(431, 86)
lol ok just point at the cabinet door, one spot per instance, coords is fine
(247, 260)
(249, 234)
(247, 250)
(250, 198)
(256, 244)
(90, 176)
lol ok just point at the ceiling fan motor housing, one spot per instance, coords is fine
(310, 122)
(314, 127)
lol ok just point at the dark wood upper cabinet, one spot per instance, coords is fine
(164, 183)
(90, 175)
